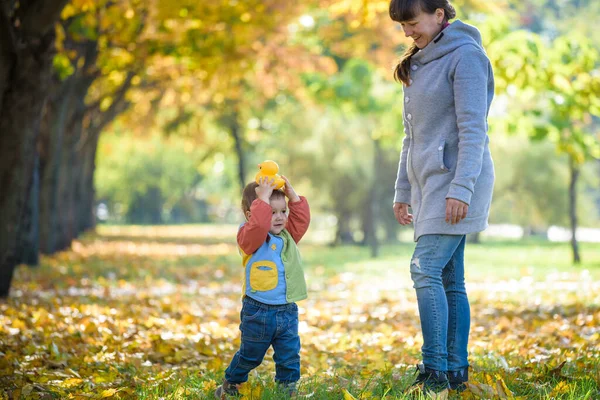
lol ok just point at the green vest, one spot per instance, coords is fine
(292, 263)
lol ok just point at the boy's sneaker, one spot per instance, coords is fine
(458, 379)
(227, 390)
(432, 381)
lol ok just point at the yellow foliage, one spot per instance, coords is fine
(561, 388)
(250, 392)
(108, 393)
(347, 395)
(154, 321)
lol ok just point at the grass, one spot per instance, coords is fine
(153, 312)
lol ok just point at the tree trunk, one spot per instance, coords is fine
(31, 222)
(86, 215)
(574, 170)
(58, 110)
(69, 170)
(474, 238)
(343, 233)
(236, 134)
(372, 204)
(63, 152)
(26, 51)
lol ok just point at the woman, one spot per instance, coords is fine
(445, 174)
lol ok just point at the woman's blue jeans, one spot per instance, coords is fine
(438, 273)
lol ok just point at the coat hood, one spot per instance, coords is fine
(456, 35)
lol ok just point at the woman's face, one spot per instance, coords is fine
(424, 27)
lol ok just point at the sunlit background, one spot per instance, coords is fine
(310, 86)
(152, 115)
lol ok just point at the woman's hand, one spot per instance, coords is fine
(456, 211)
(401, 213)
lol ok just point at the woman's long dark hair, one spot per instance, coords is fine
(405, 10)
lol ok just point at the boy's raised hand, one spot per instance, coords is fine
(265, 188)
(289, 191)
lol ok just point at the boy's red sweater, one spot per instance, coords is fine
(254, 232)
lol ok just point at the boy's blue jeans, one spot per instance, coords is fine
(438, 273)
(264, 325)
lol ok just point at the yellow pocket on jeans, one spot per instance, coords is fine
(263, 276)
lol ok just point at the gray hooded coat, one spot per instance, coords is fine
(445, 152)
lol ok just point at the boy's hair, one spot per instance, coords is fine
(249, 195)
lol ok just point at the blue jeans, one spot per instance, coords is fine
(264, 325)
(438, 273)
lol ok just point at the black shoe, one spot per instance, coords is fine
(432, 381)
(227, 390)
(458, 379)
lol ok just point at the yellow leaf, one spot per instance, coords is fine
(72, 382)
(17, 323)
(443, 395)
(481, 390)
(250, 392)
(488, 379)
(27, 390)
(348, 396)
(561, 388)
(109, 392)
(503, 391)
(562, 83)
(209, 386)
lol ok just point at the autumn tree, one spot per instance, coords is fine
(556, 86)
(360, 97)
(102, 53)
(27, 40)
(232, 58)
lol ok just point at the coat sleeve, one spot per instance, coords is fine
(402, 187)
(254, 232)
(299, 218)
(471, 84)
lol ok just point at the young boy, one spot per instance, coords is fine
(273, 282)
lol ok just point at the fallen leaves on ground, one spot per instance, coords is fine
(105, 321)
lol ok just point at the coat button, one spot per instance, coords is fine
(409, 116)
(407, 99)
(414, 67)
(440, 148)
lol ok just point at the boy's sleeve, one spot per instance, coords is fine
(299, 218)
(254, 232)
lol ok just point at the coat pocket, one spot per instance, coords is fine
(440, 151)
(263, 276)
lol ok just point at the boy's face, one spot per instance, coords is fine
(279, 218)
